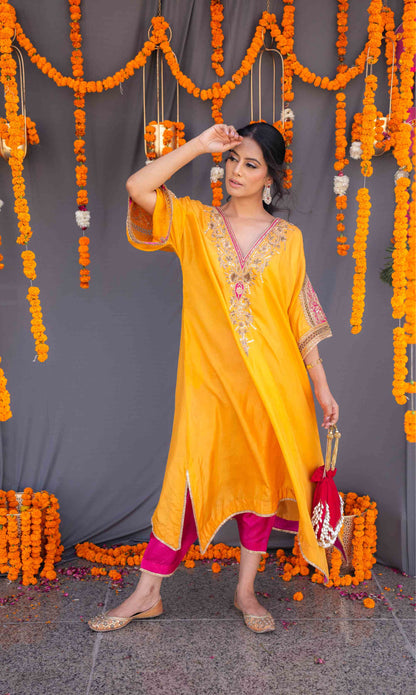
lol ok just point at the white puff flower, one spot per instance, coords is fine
(83, 218)
(1, 204)
(216, 174)
(288, 115)
(400, 173)
(341, 184)
(356, 150)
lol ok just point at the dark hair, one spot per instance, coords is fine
(273, 148)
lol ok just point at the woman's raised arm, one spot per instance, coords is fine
(142, 185)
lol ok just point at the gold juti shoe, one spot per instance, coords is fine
(257, 623)
(105, 623)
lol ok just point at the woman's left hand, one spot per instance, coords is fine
(328, 405)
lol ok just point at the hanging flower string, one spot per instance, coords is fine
(410, 299)
(285, 123)
(217, 41)
(364, 205)
(82, 214)
(11, 95)
(341, 180)
(5, 411)
(399, 275)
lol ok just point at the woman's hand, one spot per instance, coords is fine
(328, 405)
(219, 138)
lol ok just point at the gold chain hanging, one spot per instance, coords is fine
(271, 51)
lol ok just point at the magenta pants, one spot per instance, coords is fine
(159, 559)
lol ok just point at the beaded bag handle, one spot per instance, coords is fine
(332, 447)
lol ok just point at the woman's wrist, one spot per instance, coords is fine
(198, 146)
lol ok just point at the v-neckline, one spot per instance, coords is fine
(242, 259)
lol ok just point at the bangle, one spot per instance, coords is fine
(309, 366)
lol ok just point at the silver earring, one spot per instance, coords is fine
(267, 197)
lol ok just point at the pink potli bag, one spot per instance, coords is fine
(327, 505)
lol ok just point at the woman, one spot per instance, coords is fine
(245, 439)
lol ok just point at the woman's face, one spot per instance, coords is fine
(245, 170)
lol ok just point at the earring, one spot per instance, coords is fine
(267, 197)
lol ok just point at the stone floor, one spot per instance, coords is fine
(328, 643)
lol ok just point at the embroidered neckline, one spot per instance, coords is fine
(243, 259)
(241, 276)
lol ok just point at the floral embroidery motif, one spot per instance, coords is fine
(310, 304)
(315, 317)
(241, 272)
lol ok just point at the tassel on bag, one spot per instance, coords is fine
(327, 505)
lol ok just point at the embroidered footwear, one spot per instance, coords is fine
(105, 623)
(257, 623)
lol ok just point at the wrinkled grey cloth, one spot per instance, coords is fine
(93, 423)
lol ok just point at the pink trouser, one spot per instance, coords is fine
(159, 559)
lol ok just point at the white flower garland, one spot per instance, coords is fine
(356, 150)
(216, 174)
(1, 204)
(83, 218)
(288, 115)
(341, 184)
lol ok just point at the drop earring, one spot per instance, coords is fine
(267, 197)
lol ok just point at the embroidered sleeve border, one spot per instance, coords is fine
(139, 224)
(310, 339)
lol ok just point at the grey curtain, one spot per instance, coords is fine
(93, 423)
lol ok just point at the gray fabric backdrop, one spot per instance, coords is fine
(93, 423)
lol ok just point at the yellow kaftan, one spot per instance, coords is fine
(245, 436)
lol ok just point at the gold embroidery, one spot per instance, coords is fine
(313, 337)
(241, 276)
(315, 317)
(310, 304)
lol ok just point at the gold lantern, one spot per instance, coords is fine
(5, 150)
(160, 135)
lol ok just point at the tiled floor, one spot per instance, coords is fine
(329, 643)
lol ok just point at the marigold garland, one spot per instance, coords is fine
(341, 181)
(8, 79)
(218, 92)
(407, 80)
(217, 41)
(400, 361)
(360, 245)
(410, 299)
(364, 548)
(82, 215)
(410, 425)
(21, 548)
(399, 279)
(5, 411)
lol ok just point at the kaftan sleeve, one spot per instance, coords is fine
(165, 228)
(307, 318)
